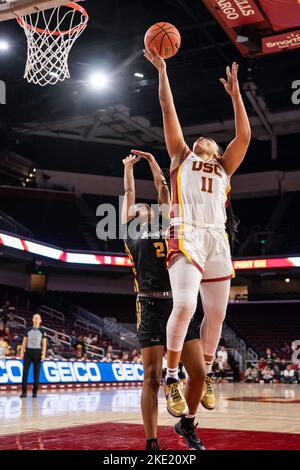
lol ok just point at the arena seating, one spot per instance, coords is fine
(264, 325)
(26, 304)
(121, 307)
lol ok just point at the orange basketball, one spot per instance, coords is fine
(165, 37)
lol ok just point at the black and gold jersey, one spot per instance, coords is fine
(148, 254)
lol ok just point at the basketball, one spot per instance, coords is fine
(165, 37)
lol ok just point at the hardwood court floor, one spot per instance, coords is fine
(246, 417)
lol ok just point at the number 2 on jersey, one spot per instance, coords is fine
(207, 185)
(160, 249)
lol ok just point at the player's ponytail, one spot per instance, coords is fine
(232, 224)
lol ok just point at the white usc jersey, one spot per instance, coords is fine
(198, 215)
(199, 193)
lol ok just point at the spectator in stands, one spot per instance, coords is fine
(88, 339)
(107, 357)
(80, 353)
(286, 350)
(279, 368)
(80, 342)
(62, 335)
(95, 339)
(222, 357)
(251, 374)
(73, 339)
(234, 366)
(5, 312)
(16, 341)
(80, 348)
(267, 374)
(19, 350)
(282, 365)
(3, 347)
(133, 354)
(270, 357)
(137, 359)
(53, 353)
(218, 370)
(260, 366)
(125, 357)
(55, 340)
(10, 352)
(288, 375)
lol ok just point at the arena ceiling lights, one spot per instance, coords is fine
(259, 27)
(103, 259)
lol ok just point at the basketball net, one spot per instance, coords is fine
(50, 36)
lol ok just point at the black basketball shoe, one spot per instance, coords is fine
(186, 428)
(152, 444)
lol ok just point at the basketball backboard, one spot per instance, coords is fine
(11, 9)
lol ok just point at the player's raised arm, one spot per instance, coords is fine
(159, 181)
(236, 150)
(129, 189)
(175, 142)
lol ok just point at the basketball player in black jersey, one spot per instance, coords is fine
(147, 251)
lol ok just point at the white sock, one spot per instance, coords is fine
(208, 367)
(190, 416)
(172, 373)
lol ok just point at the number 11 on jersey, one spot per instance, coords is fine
(207, 185)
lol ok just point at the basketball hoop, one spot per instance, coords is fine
(50, 37)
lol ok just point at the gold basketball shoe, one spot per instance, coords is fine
(208, 399)
(176, 404)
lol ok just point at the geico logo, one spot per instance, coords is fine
(128, 372)
(11, 371)
(71, 372)
(10, 407)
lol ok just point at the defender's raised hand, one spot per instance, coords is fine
(131, 160)
(231, 85)
(155, 59)
(146, 155)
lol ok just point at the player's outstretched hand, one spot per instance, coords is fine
(155, 59)
(231, 85)
(146, 155)
(131, 160)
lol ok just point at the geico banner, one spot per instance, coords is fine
(237, 12)
(71, 372)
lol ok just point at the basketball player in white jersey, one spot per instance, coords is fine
(199, 255)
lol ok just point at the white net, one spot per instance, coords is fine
(50, 37)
